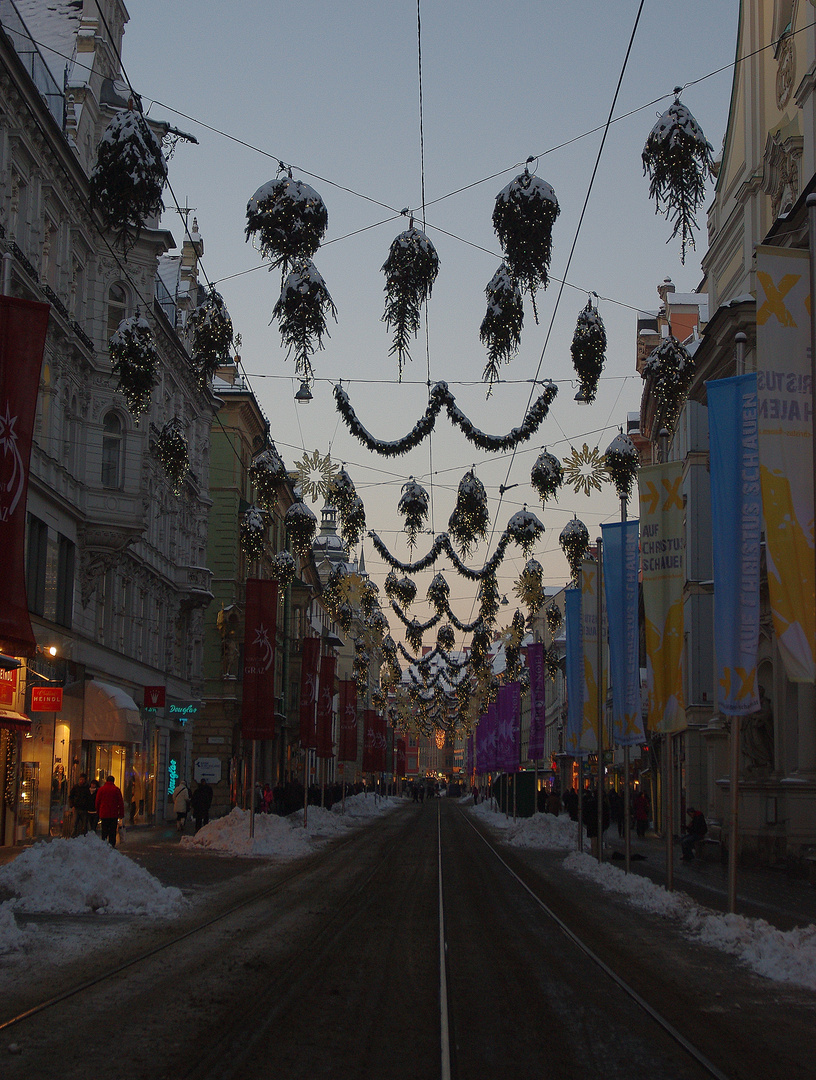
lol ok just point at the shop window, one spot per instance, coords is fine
(112, 439)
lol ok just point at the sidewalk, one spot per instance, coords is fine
(164, 834)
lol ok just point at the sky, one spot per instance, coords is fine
(333, 91)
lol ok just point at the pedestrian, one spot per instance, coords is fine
(93, 816)
(571, 803)
(640, 807)
(267, 799)
(616, 809)
(81, 801)
(181, 804)
(110, 806)
(201, 802)
(695, 831)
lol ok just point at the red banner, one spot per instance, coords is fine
(348, 720)
(23, 325)
(380, 743)
(400, 745)
(308, 692)
(370, 758)
(155, 697)
(325, 744)
(260, 631)
(46, 699)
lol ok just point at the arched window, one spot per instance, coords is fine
(117, 308)
(112, 441)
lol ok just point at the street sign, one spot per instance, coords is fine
(207, 768)
(46, 699)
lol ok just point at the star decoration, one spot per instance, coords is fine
(315, 474)
(584, 469)
(351, 589)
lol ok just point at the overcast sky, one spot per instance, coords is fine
(332, 90)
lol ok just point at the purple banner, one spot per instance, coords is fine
(508, 705)
(535, 663)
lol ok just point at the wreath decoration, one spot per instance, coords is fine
(525, 529)
(413, 506)
(589, 350)
(470, 519)
(301, 526)
(410, 271)
(574, 541)
(670, 368)
(135, 360)
(555, 618)
(129, 176)
(441, 397)
(283, 569)
(211, 336)
(267, 473)
(530, 586)
(173, 452)
(622, 463)
(523, 217)
(501, 327)
(302, 310)
(286, 220)
(677, 158)
(253, 532)
(547, 476)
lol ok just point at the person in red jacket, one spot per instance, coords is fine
(110, 806)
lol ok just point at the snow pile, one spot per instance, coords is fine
(12, 937)
(81, 875)
(544, 831)
(489, 812)
(362, 807)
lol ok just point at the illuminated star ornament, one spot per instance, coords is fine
(351, 589)
(315, 474)
(585, 470)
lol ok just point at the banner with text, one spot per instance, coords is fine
(260, 632)
(592, 673)
(621, 559)
(538, 701)
(575, 672)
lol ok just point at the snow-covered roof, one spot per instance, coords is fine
(53, 25)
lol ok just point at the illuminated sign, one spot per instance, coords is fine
(46, 699)
(172, 776)
(154, 697)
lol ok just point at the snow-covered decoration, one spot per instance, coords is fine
(488, 599)
(574, 541)
(302, 310)
(267, 473)
(301, 526)
(253, 532)
(670, 370)
(547, 476)
(173, 452)
(413, 506)
(438, 593)
(360, 665)
(525, 529)
(530, 586)
(129, 176)
(470, 518)
(622, 463)
(369, 596)
(286, 220)
(555, 618)
(353, 521)
(283, 569)
(501, 327)
(442, 543)
(523, 218)
(316, 473)
(441, 397)
(344, 616)
(552, 663)
(135, 360)
(403, 590)
(341, 490)
(677, 158)
(584, 469)
(513, 656)
(211, 336)
(414, 629)
(410, 271)
(589, 350)
(377, 624)
(446, 637)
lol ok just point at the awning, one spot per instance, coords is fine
(14, 721)
(111, 714)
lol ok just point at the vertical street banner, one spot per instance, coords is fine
(575, 672)
(504, 717)
(23, 326)
(324, 744)
(621, 557)
(260, 630)
(491, 739)
(308, 692)
(347, 719)
(369, 741)
(785, 407)
(469, 756)
(479, 750)
(590, 584)
(661, 559)
(400, 756)
(736, 520)
(538, 703)
(380, 743)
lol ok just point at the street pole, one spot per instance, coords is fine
(627, 832)
(668, 822)
(599, 694)
(252, 790)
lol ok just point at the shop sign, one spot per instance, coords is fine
(154, 697)
(8, 686)
(46, 699)
(185, 711)
(207, 768)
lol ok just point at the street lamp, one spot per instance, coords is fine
(304, 394)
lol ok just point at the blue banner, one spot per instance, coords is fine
(621, 556)
(736, 522)
(575, 672)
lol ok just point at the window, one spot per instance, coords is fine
(112, 452)
(36, 558)
(66, 557)
(117, 308)
(50, 569)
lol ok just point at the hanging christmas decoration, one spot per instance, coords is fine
(135, 360)
(283, 569)
(441, 397)
(670, 369)
(415, 625)
(340, 490)
(530, 586)
(546, 476)
(267, 473)
(286, 220)
(513, 638)
(584, 469)
(173, 453)
(552, 663)
(523, 218)
(622, 463)
(413, 634)
(438, 593)
(410, 271)
(525, 529)
(470, 518)
(129, 176)
(403, 590)
(369, 596)
(677, 158)
(352, 588)
(345, 616)
(589, 350)
(211, 336)
(442, 543)
(315, 476)
(413, 505)
(488, 596)
(353, 521)
(253, 532)
(445, 637)
(574, 541)
(302, 310)
(555, 619)
(301, 526)
(500, 331)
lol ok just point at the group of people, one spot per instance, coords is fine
(199, 802)
(96, 804)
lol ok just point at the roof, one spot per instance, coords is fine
(53, 25)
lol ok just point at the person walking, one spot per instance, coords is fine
(81, 802)
(695, 831)
(93, 816)
(110, 806)
(201, 802)
(181, 804)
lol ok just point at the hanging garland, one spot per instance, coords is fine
(283, 569)
(470, 519)
(501, 327)
(622, 463)
(267, 473)
(670, 369)
(574, 541)
(301, 526)
(530, 586)
(525, 529)
(173, 453)
(410, 271)
(441, 397)
(413, 505)
(414, 625)
(211, 336)
(546, 476)
(523, 218)
(677, 158)
(301, 311)
(253, 532)
(135, 360)
(442, 544)
(286, 220)
(555, 619)
(129, 176)
(589, 350)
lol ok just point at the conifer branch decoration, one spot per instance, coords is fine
(211, 336)
(622, 463)
(286, 220)
(525, 529)
(302, 310)
(267, 473)
(413, 505)
(589, 350)
(501, 327)
(547, 476)
(470, 518)
(283, 569)
(410, 271)
(574, 541)
(253, 532)
(670, 368)
(301, 526)
(523, 217)
(135, 360)
(173, 452)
